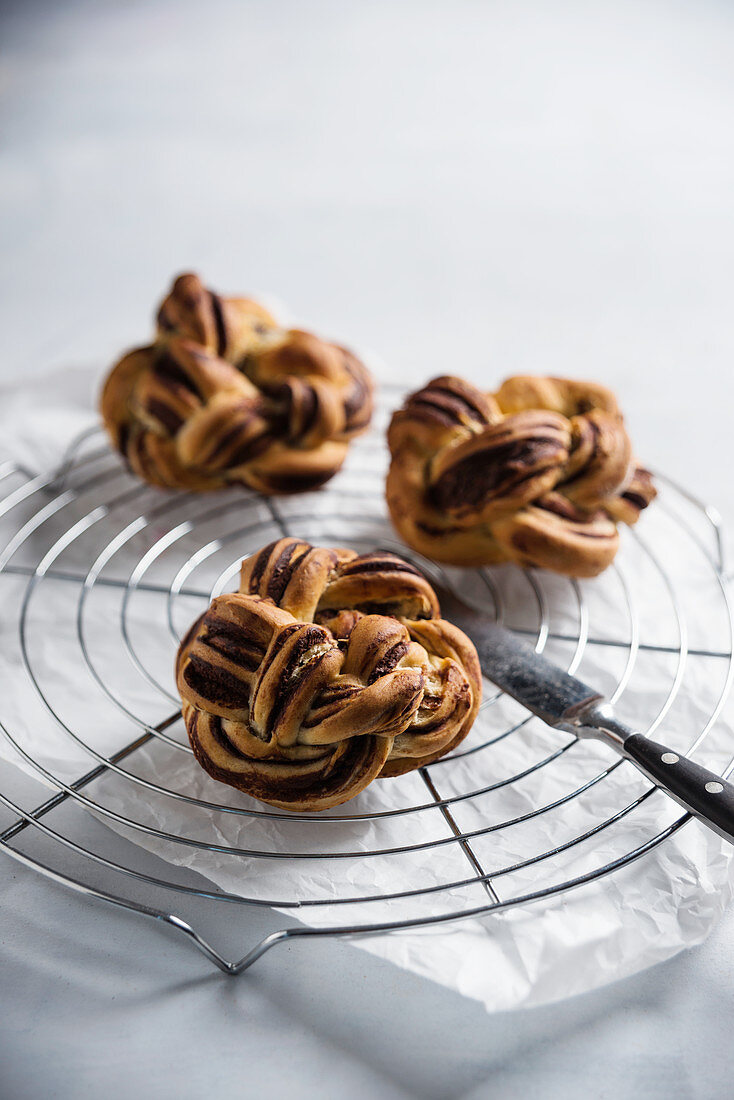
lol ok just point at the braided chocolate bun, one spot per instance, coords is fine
(327, 669)
(538, 473)
(224, 395)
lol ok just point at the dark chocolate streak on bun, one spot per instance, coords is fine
(170, 420)
(282, 570)
(219, 323)
(487, 473)
(303, 717)
(538, 473)
(206, 678)
(171, 371)
(226, 396)
(378, 565)
(292, 789)
(448, 401)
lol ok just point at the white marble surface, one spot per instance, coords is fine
(483, 188)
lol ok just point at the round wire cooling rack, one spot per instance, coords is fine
(103, 575)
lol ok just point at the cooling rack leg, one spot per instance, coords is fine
(170, 919)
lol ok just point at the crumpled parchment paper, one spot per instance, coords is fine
(103, 660)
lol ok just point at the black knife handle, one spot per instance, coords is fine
(702, 792)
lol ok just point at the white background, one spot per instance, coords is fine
(478, 188)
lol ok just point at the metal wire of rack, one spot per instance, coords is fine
(112, 573)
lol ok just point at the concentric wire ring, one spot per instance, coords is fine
(126, 543)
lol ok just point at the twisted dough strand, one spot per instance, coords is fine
(225, 396)
(538, 473)
(326, 670)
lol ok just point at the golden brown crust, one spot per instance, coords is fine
(225, 396)
(327, 669)
(538, 473)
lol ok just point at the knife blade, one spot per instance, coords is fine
(567, 703)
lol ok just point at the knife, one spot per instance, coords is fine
(566, 703)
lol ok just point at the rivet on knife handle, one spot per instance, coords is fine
(565, 702)
(700, 791)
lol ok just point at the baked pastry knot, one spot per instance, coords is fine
(224, 395)
(327, 669)
(538, 473)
